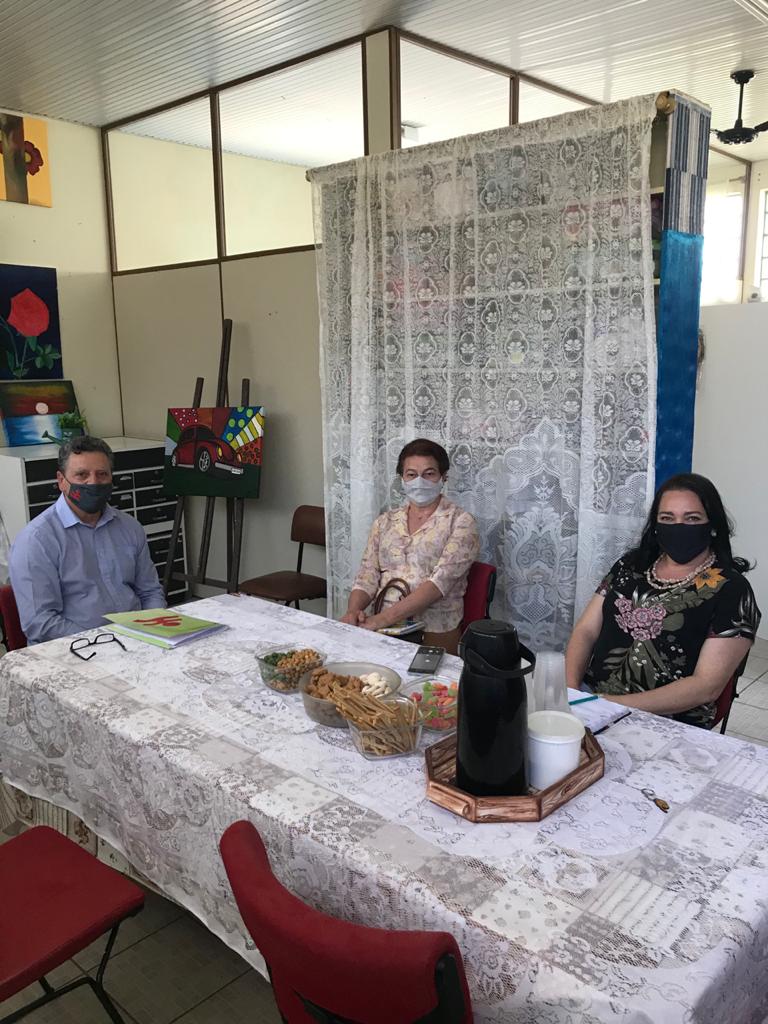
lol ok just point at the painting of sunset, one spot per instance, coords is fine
(30, 410)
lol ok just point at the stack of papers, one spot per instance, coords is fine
(402, 628)
(596, 714)
(162, 626)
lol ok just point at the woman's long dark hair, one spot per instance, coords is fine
(647, 551)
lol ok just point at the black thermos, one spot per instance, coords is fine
(492, 726)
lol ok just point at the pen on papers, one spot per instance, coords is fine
(583, 700)
(626, 713)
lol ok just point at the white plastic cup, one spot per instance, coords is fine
(554, 746)
(549, 690)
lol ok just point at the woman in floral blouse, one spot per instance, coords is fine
(429, 542)
(674, 618)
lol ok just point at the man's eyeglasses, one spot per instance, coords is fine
(101, 638)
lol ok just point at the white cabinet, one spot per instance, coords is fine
(28, 487)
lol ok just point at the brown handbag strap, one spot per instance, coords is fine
(397, 584)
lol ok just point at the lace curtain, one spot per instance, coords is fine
(495, 293)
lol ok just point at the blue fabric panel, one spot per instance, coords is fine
(677, 326)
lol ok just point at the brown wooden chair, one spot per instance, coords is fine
(308, 527)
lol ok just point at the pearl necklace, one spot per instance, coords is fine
(659, 584)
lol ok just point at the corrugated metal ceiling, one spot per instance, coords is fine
(95, 62)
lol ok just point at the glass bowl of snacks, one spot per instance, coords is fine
(320, 686)
(282, 667)
(437, 700)
(382, 729)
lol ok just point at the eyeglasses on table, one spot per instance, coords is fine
(101, 638)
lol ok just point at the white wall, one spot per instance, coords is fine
(169, 324)
(162, 196)
(267, 205)
(169, 331)
(275, 341)
(731, 429)
(163, 202)
(72, 237)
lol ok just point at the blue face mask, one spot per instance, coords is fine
(89, 498)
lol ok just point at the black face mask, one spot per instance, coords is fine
(683, 541)
(89, 498)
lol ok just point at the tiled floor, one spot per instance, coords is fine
(749, 714)
(168, 968)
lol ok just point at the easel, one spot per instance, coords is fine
(235, 506)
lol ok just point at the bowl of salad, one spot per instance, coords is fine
(283, 666)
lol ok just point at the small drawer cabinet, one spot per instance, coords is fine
(28, 487)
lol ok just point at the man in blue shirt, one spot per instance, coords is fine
(81, 559)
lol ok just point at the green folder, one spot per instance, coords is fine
(163, 627)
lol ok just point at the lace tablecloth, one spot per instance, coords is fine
(608, 910)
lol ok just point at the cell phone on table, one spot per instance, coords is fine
(426, 659)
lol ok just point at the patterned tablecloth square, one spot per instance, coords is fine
(526, 916)
(643, 910)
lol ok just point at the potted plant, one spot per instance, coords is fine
(72, 424)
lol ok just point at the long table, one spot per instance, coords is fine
(608, 910)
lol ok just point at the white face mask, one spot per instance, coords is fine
(421, 491)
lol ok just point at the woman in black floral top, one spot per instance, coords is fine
(674, 618)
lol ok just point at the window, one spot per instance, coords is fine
(442, 97)
(723, 227)
(762, 247)
(535, 103)
(161, 169)
(272, 130)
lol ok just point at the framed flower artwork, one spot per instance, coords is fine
(30, 339)
(25, 175)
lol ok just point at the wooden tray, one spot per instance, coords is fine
(441, 788)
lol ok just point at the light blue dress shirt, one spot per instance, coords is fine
(67, 576)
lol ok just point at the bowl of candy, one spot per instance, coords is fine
(437, 699)
(282, 667)
(321, 687)
(382, 729)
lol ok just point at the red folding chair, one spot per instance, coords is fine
(481, 585)
(12, 633)
(327, 970)
(56, 899)
(727, 697)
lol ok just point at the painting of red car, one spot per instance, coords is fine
(199, 448)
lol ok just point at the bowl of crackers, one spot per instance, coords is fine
(382, 729)
(282, 667)
(322, 687)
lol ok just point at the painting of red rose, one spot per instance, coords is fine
(30, 340)
(29, 314)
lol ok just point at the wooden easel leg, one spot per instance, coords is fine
(179, 513)
(236, 518)
(230, 539)
(237, 543)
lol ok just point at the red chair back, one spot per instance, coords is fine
(481, 584)
(9, 613)
(326, 969)
(724, 701)
(728, 695)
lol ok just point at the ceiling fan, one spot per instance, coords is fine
(739, 134)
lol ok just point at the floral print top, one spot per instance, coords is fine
(441, 551)
(651, 637)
